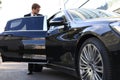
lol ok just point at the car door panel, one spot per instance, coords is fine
(24, 45)
(61, 48)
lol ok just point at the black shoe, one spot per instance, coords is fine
(29, 73)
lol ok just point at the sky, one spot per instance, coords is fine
(18, 8)
(12, 9)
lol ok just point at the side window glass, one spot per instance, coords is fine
(76, 15)
(16, 23)
(26, 23)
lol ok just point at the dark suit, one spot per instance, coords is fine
(27, 15)
(33, 67)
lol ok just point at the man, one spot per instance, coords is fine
(35, 12)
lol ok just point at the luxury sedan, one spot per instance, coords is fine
(81, 42)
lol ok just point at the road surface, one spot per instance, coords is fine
(18, 71)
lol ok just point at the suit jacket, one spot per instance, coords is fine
(27, 15)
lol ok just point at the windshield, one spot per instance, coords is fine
(82, 14)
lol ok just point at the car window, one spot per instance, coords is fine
(95, 13)
(76, 16)
(81, 14)
(26, 23)
(88, 14)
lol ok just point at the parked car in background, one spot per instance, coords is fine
(81, 42)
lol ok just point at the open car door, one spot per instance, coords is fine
(24, 40)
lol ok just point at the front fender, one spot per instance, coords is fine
(104, 33)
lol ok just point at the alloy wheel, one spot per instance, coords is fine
(91, 63)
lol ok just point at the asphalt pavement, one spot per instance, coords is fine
(18, 71)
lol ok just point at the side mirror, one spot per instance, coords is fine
(57, 21)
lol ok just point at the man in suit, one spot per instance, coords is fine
(35, 12)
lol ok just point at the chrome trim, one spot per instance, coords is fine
(45, 23)
(41, 63)
(23, 30)
(34, 56)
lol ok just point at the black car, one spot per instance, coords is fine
(82, 42)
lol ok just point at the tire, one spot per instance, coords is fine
(37, 68)
(93, 61)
